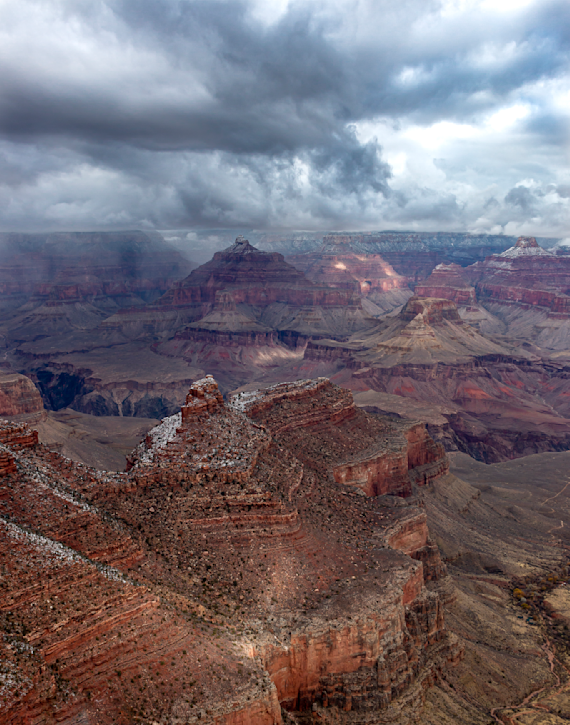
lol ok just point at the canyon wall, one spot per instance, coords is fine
(204, 584)
(20, 399)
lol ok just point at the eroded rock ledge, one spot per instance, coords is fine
(243, 567)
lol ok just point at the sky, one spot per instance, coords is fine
(449, 115)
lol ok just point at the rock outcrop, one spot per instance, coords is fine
(369, 275)
(20, 400)
(247, 289)
(448, 281)
(522, 293)
(228, 577)
(242, 314)
(498, 400)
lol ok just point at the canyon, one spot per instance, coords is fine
(239, 315)
(194, 587)
(278, 557)
(333, 528)
(521, 294)
(493, 400)
(492, 368)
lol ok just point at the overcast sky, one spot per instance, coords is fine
(316, 114)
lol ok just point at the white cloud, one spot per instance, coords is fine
(506, 118)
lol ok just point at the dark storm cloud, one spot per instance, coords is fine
(200, 112)
(522, 197)
(270, 90)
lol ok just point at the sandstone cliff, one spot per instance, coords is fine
(20, 400)
(229, 576)
(369, 275)
(522, 292)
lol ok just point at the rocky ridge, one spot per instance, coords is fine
(522, 293)
(195, 587)
(497, 401)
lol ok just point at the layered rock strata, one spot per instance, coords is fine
(20, 399)
(448, 281)
(523, 292)
(497, 401)
(245, 289)
(228, 575)
(369, 275)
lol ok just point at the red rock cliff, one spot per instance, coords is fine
(226, 575)
(20, 399)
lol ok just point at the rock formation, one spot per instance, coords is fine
(240, 314)
(522, 292)
(243, 314)
(369, 275)
(264, 289)
(448, 281)
(239, 570)
(20, 400)
(498, 401)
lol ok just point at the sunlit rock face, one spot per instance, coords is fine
(369, 275)
(242, 568)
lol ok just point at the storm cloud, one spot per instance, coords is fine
(273, 114)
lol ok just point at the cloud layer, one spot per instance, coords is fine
(423, 114)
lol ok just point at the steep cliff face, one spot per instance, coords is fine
(448, 281)
(522, 292)
(241, 579)
(524, 275)
(88, 634)
(20, 399)
(414, 255)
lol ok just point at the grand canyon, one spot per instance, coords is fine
(310, 480)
